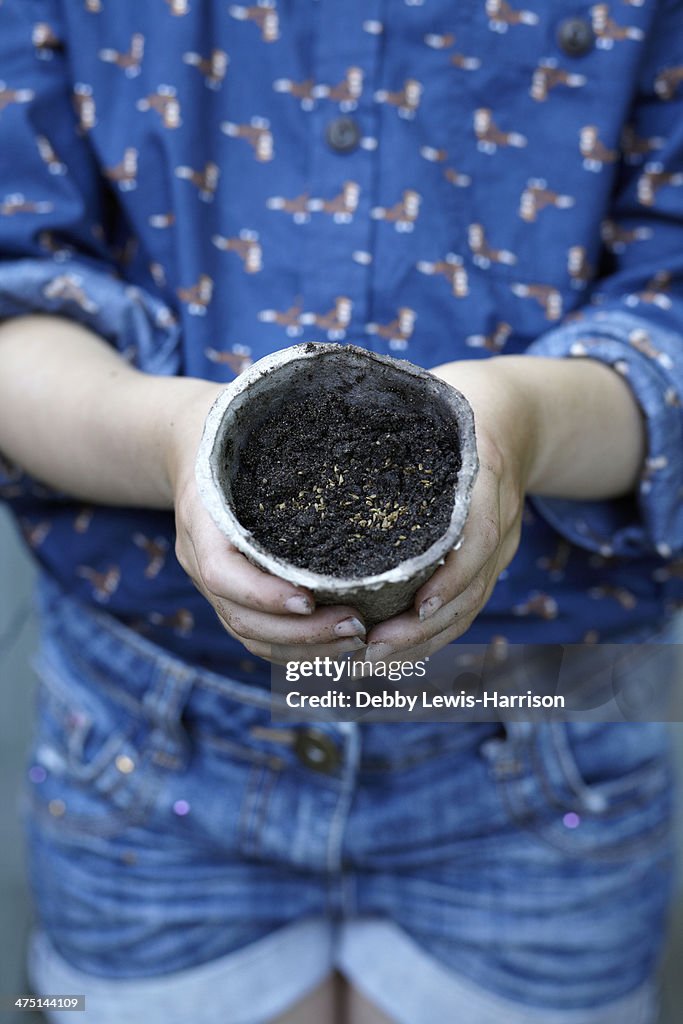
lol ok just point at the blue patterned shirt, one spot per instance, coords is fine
(202, 183)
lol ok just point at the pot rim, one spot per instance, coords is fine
(213, 497)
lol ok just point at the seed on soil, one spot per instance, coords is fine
(338, 488)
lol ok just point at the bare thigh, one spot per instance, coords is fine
(334, 1001)
(359, 1010)
(321, 1006)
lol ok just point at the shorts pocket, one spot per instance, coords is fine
(96, 764)
(598, 790)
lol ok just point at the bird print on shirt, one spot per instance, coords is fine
(164, 101)
(340, 207)
(398, 331)
(257, 133)
(204, 180)
(502, 16)
(213, 68)
(490, 138)
(405, 100)
(549, 75)
(606, 29)
(402, 214)
(125, 173)
(335, 322)
(537, 197)
(264, 15)
(246, 245)
(452, 268)
(9, 96)
(129, 62)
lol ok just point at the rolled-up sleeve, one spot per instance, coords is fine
(55, 205)
(634, 320)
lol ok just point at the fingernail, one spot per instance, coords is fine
(299, 604)
(350, 627)
(376, 652)
(354, 643)
(429, 607)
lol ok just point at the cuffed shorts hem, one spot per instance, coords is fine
(387, 966)
(255, 984)
(249, 986)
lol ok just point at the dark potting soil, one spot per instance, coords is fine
(347, 490)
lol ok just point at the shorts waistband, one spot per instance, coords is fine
(98, 641)
(92, 646)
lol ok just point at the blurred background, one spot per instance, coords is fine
(17, 641)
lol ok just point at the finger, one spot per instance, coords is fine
(454, 629)
(227, 573)
(323, 626)
(413, 638)
(480, 541)
(376, 653)
(281, 654)
(330, 626)
(408, 629)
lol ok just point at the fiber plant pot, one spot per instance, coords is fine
(295, 377)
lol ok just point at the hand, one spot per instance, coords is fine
(564, 427)
(273, 619)
(445, 606)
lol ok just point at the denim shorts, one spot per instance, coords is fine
(192, 861)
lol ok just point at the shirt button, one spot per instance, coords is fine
(343, 134)
(575, 36)
(316, 750)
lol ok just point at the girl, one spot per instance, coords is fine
(489, 190)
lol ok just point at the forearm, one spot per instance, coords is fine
(74, 415)
(582, 427)
(77, 417)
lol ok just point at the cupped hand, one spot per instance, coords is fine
(448, 603)
(272, 618)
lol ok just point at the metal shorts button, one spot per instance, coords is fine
(316, 750)
(342, 134)
(575, 36)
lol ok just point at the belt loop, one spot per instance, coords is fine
(164, 704)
